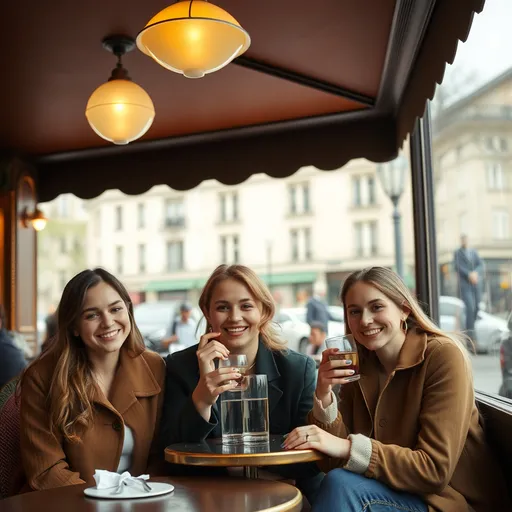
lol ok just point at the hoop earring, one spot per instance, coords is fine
(403, 326)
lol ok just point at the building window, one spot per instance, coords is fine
(363, 191)
(371, 190)
(119, 259)
(230, 249)
(141, 216)
(142, 258)
(174, 212)
(366, 238)
(228, 206)
(119, 218)
(63, 205)
(175, 256)
(300, 198)
(300, 242)
(495, 176)
(496, 144)
(356, 191)
(500, 224)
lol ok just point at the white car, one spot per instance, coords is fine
(294, 329)
(489, 329)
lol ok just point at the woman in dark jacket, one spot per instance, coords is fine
(239, 309)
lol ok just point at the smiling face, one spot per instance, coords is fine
(374, 319)
(104, 323)
(236, 314)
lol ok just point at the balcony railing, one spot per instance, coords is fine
(473, 113)
(174, 222)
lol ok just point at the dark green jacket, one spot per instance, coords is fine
(291, 384)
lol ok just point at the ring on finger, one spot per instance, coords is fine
(307, 437)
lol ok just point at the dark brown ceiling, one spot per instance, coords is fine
(53, 59)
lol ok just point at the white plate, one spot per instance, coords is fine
(130, 493)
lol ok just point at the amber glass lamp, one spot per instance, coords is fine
(193, 37)
(119, 110)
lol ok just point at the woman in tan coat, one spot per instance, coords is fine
(92, 399)
(407, 435)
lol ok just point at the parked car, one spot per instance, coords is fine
(506, 361)
(295, 330)
(154, 320)
(489, 329)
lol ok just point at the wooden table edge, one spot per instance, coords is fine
(241, 459)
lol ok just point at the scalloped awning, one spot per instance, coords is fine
(318, 86)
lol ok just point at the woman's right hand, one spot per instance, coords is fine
(212, 381)
(330, 373)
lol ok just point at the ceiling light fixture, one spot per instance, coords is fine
(193, 37)
(119, 110)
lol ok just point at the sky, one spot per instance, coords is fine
(488, 50)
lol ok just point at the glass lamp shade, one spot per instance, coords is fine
(39, 224)
(193, 38)
(120, 111)
(392, 176)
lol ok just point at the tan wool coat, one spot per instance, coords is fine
(426, 434)
(136, 401)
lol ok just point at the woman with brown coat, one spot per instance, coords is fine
(407, 435)
(92, 400)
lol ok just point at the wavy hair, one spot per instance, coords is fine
(73, 387)
(391, 285)
(258, 290)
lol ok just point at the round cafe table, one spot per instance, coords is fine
(213, 452)
(199, 494)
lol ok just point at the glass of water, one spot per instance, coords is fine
(255, 409)
(232, 416)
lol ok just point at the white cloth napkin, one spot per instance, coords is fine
(107, 480)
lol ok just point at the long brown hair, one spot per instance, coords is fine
(73, 387)
(259, 291)
(390, 284)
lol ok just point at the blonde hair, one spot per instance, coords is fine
(258, 290)
(391, 285)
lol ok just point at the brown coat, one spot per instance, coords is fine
(136, 401)
(425, 430)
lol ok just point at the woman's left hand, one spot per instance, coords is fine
(311, 437)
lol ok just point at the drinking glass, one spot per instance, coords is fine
(236, 361)
(347, 350)
(255, 409)
(232, 416)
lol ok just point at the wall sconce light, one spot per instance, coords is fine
(37, 219)
(193, 37)
(119, 110)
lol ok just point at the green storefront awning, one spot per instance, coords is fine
(172, 285)
(289, 278)
(198, 283)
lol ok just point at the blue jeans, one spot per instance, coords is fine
(344, 491)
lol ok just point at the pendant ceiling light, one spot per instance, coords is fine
(119, 110)
(194, 38)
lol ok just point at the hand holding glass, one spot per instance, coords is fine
(236, 361)
(347, 351)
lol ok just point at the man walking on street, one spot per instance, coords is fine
(316, 309)
(468, 266)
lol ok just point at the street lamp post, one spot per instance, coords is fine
(392, 179)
